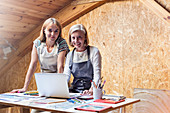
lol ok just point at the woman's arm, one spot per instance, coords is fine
(63, 49)
(66, 67)
(60, 61)
(96, 62)
(31, 70)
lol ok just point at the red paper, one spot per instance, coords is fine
(93, 107)
(108, 101)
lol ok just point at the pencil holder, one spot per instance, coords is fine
(98, 93)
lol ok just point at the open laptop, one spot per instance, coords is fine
(52, 85)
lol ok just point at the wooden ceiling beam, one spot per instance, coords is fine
(65, 16)
(78, 2)
(158, 10)
(70, 12)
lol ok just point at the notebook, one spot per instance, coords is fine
(52, 85)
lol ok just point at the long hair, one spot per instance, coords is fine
(42, 36)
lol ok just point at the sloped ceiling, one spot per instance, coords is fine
(18, 18)
(21, 21)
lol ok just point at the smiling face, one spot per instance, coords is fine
(78, 39)
(51, 32)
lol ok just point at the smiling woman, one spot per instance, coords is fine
(78, 40)
(49, 49)
(51, 32)
(84, 62)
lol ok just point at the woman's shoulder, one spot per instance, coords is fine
(62, 44)
(69, 54)
(93, 49)
(37, 42)
(61, 41)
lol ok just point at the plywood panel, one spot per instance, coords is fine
(134, 46)
(152, 101)
(158, 10)
(17, 75)
(164, 3)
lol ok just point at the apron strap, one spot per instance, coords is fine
(71, 59)
(88, 52)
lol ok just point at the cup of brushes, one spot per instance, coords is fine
(98, 90)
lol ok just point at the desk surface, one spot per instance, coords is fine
(27, 102)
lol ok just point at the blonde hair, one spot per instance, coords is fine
(42, 36)
(78, 27)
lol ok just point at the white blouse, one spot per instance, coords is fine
(95, 58)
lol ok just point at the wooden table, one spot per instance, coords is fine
(69, 107)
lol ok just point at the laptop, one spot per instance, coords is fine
(52, 85)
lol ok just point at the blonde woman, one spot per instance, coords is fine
(49, 49)
(84, 62)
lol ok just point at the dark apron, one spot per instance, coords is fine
(82, 72)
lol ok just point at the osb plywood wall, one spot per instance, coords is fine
(134, 45)
(15, 77)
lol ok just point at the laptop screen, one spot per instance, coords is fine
(52, 85)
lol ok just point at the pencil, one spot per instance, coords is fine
(103, 83)
(94, 84)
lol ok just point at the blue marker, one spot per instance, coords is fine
(71, 101)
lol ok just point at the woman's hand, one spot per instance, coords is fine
(18, 90)
(88, 92)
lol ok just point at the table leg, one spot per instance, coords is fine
(120, 110)
(24, 110)
(124, 110)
